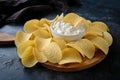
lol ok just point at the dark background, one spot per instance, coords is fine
(107, 11)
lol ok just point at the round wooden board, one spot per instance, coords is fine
(6, 38)
(87, 63)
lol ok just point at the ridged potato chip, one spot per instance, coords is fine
(43, 21)
(28, 58)
(47, 27)
(60, 42)
(89, 37)
(40, 42)
(101, 44)
(21, 37)
(85, 47)
(70, 55)
(41, 33)
(52, 52)
(31, 25)
(72, 18)
(39, 55)
(93, 31)
(83, 22)
(22, 47)
(107, 36)
(100, 25)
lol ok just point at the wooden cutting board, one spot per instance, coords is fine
(6, 38)
(87, 63)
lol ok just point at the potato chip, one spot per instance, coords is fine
(70, 55)
(90, 36)
(28, 59)
(60, 42)
(47, 28)
(41, 33)
(107, 36)
(93, 31)
(39, 55)
(85, 47)
(101, 44)
(43, 21)
(83, 22)
(52, 52)
(22, 47)
(31, 25)
(100, 25)
(21, 37)
(40, 42)
(72, 18)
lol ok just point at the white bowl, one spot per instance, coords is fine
(67, 37)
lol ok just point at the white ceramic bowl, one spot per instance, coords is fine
(67, 37)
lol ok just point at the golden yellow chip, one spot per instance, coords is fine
(47, 27)
(85, 47)
(84, 23)
(90, 36)
(41, 33)
(31, 25)
(43, 21)
(39, 55)
(28, 59)
(101, 44)
(21, 37)
(60, 42)
(93, 31)
(100, 25)
(22, 47)
(52, 52)
(107, 36)
(72, 18)
(70, 55)
(40, 42)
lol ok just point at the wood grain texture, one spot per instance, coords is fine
(6, 38)
(87, 63)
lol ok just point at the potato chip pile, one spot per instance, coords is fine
(37, 45)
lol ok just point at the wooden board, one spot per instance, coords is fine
(6, 38)
(87, 63)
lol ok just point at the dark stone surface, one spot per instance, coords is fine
(109, 69)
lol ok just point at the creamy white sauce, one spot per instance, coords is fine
(66, 30)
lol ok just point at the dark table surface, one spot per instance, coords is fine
(109, 69)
